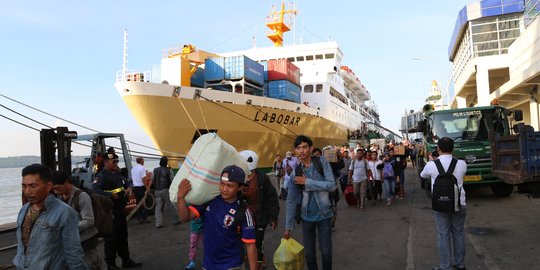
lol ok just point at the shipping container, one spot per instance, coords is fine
(265, 89)
(265, 70)
(214, 69)
(242, 67)
(284, 90)
(283, 69)
(197, 79)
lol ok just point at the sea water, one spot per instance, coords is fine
(10, 198)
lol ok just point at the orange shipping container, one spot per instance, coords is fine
(283, 69)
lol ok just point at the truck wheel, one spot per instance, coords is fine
(502, 189)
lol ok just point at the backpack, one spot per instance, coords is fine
(102, 207)
(388, 170)
(446, 192)
(317, 164)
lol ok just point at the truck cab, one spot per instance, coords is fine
(472, 129)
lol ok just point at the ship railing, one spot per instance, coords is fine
(137, 76)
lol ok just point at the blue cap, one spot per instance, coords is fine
(234, 174)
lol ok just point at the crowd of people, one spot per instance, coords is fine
(59, 216)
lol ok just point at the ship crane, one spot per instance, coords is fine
(190, 58)
(278, 26)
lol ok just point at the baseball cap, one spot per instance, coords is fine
(110, 156)
(251, 158)
(234, 174)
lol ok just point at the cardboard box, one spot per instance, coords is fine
(330, 154)
(399, 150)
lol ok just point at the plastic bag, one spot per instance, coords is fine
(289, 255)
(202, 167)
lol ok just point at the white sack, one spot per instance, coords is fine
(208, 156)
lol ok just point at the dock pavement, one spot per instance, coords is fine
(501, 233)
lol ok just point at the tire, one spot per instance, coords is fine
(502, 189)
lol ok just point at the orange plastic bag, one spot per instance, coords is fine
(289, 255)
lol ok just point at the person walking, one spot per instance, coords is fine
(262, 201)
(111, 183)
(344, 172)
(196, 228)
(389, 179)
(162, 178)
(80, 201)
(228, 223)
(289, 163)
(138, 174)
(38, 245)
(375, 166)
(449, 224)
(279, 172)
(358, 175)
(312, 189)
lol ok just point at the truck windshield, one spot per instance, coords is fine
(459, 126)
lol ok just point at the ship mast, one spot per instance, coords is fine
(124, 60)
(277, 25)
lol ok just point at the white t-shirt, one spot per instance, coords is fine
(359, 170)
(292, 162)
(373, 167)
(137, 174)
(430, 170)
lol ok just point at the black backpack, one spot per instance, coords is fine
(102, 207)
(446, 192)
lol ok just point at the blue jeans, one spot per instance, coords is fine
(310, 230)
(389, 187)
(450, 226)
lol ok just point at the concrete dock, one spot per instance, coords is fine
(501, 233)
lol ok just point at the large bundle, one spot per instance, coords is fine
(330, 153)
(202, 167)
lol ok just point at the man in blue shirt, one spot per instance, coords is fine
(225, 230)
(47, 228)
(312, 190)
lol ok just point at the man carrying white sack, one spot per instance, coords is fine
(228, 223)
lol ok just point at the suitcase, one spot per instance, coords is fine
(349, 195)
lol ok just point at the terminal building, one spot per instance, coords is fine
(495, 52)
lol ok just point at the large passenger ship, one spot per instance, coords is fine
(324, 99)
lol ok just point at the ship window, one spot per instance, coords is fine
(318, 88)
(299, 58)
(318, 56)
(329, 56)
(308, 88)
(309, 57)
(291, 59)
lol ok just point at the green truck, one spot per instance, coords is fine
(473, 131)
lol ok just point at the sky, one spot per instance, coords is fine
(62, 56)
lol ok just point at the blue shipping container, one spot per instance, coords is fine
(284, 90)
(265, 69)
(238, 67)
(197, 79)
(214, 69)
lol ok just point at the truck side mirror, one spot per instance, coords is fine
(518, 115)
(422, 126)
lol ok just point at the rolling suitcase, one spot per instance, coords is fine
(349, 195)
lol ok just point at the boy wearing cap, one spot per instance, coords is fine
(225, 229)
